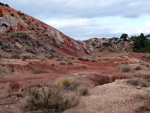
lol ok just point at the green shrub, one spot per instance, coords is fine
(49, 100)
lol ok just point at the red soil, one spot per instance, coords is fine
(136, 55)
(24, 73)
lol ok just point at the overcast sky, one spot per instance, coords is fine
(84, 19)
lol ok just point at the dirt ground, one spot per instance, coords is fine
(105, 95)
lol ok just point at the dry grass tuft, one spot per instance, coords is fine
(62, 82)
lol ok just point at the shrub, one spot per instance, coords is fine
(125, 68)
(62, 63)
(138, 68)
(83, 91)
(139, 82)
(49, 99)
(20, 35)
(62, 82)
(70, 63)
(39, 71)
(83, 59)
(93, 60)
(15, 56)
(24, 57)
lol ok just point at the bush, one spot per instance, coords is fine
(24, 57)
(39, 71)
(62, 82)
(62, 63)
(83, 59)
(138, 68)
(125, 68)
(83, 91)
(70, 63)
(15, 56)
(20, 35)
(139, 82)
(49, 99)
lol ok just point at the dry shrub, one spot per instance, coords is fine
(138, 68)
(83, 59)
(83, 91)
(62, 63)
(139, 82)
(5, 91)
(62, 82)
(39, 71)
(125, 68)
(146, 106)
(15, 56)
(50, 99)
(70, 63)
(6, 70)
(24, 57)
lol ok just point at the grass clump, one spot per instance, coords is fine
(63, 82)
(125, 68)
(49, 99)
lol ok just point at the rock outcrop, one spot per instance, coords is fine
(107, 44)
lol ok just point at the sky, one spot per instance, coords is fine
(84, 19)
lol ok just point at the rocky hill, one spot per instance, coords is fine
(21, 34)
(108, 45)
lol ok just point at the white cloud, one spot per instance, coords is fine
(147, 24)
(81, 8)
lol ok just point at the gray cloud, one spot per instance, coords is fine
(43, 9)
(79, 16)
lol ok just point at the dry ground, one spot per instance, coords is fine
(105, 95)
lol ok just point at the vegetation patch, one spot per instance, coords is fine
(63, 82)
(50, 99)
(138, 68)
(39, 71)
(125, 68)
(139, 82)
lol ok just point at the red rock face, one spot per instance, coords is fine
(1, 13)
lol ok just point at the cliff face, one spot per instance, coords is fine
(23, 34)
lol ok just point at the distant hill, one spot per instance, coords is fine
(22, 34)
